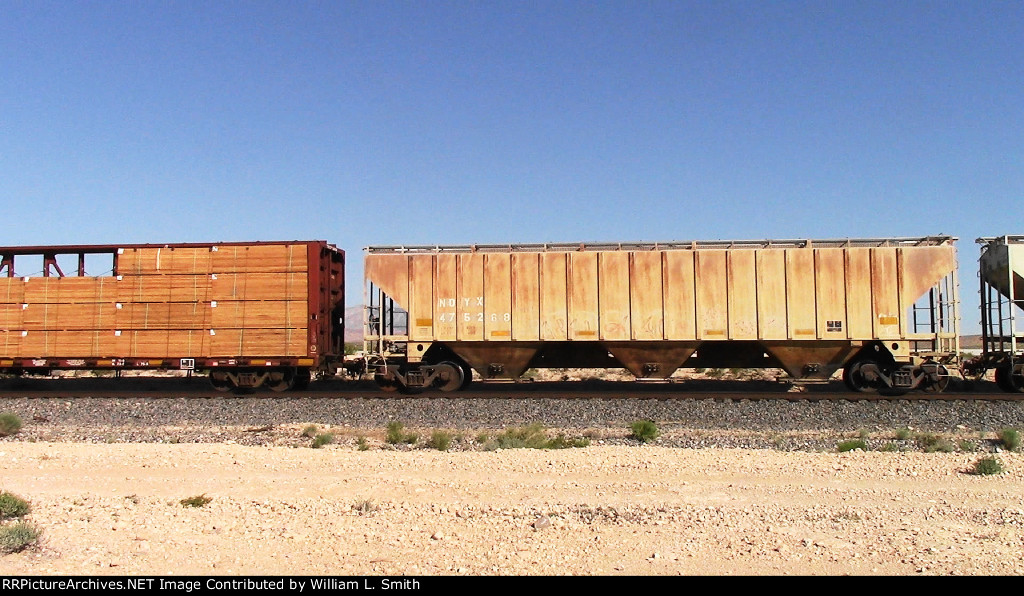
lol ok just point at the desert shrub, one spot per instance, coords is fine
(527, 437)
(364, 506)
(644, 431)
(560, 442)
(17, 537)
(534, 437)
(196, 501)
(12, 506)
(903, 434)
(9, 424)
(987, 466)
(967, 446)
(322, 439)
(933, 443)
(310, 431)
(440, 440)
(396, 434)
(1010, 439)
(851, 445)
(889, 447)
(362, 445)
(864, 433)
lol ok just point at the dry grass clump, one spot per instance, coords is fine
(196, 501)
(9, 424)
(1009, 438)
(18, 535)
(644, 431)
(987, 466)
(440, 440)
(533, 436)
(397, 435)
(322, 439)
(852, 445)
(12, 506)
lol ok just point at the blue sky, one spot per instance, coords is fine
(504, 122)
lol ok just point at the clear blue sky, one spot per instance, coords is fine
(504, 122)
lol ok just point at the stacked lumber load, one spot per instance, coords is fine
(218, 301)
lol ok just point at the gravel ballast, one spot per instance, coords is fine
(731, 486)
(690, 423)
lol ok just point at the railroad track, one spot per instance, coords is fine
(726, 390)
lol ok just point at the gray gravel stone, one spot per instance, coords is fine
(687, 423)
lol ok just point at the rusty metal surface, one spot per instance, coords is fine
(915, 241)
(646, 296)
(554, 317)
(680, 295)
(582, 296)
(858, 291)
(1002, 260)
(525, 297)
(652, 360)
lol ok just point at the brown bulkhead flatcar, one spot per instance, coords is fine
(251, 314)
(882, 310)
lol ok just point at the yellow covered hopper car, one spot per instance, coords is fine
(882, 309)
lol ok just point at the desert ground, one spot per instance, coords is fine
(116, 509)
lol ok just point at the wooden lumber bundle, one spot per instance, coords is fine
(165, 302)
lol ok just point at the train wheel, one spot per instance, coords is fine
(449, 377)
(221, 381)
(467, 377)
(853, 378)
(941, 384)
(1008, 381)
(281, 380)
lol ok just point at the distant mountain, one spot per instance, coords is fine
(970, 342)
(354, 323)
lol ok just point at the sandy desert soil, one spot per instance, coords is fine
(639, 510)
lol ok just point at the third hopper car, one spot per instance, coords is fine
(882, 310)
(1001, 273)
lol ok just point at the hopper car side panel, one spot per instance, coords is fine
(809, 307)
(251, 312)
